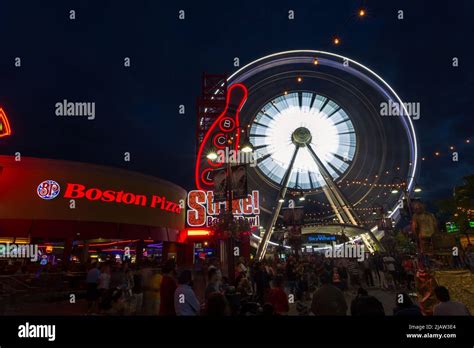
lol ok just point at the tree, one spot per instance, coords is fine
(459, 208)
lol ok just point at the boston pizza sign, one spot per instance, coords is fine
(50, 189)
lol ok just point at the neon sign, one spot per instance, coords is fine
(5, 129)
(226, 124)
(322, 238)
(193, 233)
(203, 211)
(49, 189)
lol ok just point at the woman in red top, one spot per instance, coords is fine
(167, 289)
(278, 297)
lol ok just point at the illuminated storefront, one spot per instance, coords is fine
(78, 211)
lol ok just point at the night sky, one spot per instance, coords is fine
(82, 60)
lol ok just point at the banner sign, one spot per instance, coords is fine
(203, 210)
(50, 189)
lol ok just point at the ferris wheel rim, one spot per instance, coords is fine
(411, 130)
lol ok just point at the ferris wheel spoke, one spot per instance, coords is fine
(297, 178)
(345, 133)
(269, 116)
(310, 180)
(341, 158)
(264, 157)
(259, 147)
(274, 105)
(261, 125)
(325, 102)
(313, 98)
(334, 112)
(342, 121)
(318, 103)
(333, 167)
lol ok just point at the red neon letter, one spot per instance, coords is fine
(128, 198)
(155, 200)
(74, 191)
(93, 194)
(196, 214)
(108, 196)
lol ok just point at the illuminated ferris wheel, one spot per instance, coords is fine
(314, 121)
(304, 125)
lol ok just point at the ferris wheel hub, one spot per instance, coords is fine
(301, 136)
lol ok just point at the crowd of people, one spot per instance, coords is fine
(312, 284)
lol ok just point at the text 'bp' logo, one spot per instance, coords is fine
(48, 189)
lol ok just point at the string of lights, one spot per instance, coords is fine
(360, 14)
(439, 154)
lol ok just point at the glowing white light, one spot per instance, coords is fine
(332, 132)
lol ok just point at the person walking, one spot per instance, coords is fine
(389, 262)
(369, 279)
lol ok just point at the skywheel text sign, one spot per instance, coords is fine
(203, 211)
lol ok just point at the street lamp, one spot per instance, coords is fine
(247, 147)
(404, 187)
(212, 155)
(301, 197)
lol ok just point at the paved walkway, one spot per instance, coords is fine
(64, 308)
(387, 297)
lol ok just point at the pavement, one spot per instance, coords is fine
(64, 308)
(387, 297)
